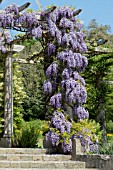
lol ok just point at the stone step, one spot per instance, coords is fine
(22, 151)
(43, 164)
(34, 157)
(46, 169)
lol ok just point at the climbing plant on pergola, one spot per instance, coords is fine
(59, 32)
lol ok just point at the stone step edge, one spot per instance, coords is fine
(34, 157)
(19, 154)
(22, 151)
(44, 169)
(43, 164)
(70, 161)
(11, 149)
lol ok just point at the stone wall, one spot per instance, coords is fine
(102, 162)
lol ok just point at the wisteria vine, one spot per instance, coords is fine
(64, 83)
(64, 46)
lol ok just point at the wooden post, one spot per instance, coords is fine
(8, 97)
(8, 101)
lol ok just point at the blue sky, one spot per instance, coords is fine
(101, 10)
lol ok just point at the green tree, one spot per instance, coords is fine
(100, 58)
(18, 96)
(33, 78)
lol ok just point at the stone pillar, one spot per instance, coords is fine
(77, 148)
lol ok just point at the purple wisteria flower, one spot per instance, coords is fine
(47, 87)
(51, 71)
(37, 32)
(67, 73)
(12, 9)
(4, 39)
(81, 112)
(53, 137)
(56, 100)
(67, 146)
(51, 49)
(76, 77)
(28, 20)
(59, 121)
(66, 23)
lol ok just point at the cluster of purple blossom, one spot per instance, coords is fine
(66, 23)
(67, 145)
(61, 12)
(75, 91)
(6, 20)
(73, 60)
(55, 101)
(51, 71)
(26, 21)
(89, 145)
(81, 112)
(12, 9)
(47, 87)
(60, 123)
(77, 95)
(37, 32)
(53, 137)
(62, 25)
(51, 49)
(4, 40)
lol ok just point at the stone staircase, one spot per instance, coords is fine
(35, 159)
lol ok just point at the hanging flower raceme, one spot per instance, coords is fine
(51, 71)
(77, 77)
(56, 101)
(47, 86)
(4, 40)
(75, 92)
(53, 138)
(63, 126)
(73, 60)
(12, 9)
(81, 113)
(37, 32)
(67, 73)
(29, 20)
(59, 121)
(51, 49)
(77, 95)
(66, 23)
(67, 145)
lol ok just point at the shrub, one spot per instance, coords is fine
(31, 133)
(106, 148)
(110, 127)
